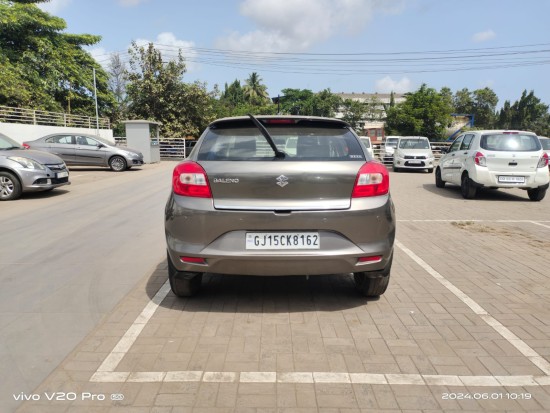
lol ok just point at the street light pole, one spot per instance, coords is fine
(96, 110)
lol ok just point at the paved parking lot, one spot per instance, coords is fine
(464, 326)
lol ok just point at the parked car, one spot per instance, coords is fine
(78, 149)
(413, 152)
(495, 159)
(388, 149)
(368, 144)
(545, 142)
(28, 171)
(242, 205)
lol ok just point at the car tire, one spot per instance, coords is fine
(10, 187)
(395, 169)
(467, 188)
(373, 283)
(430, 170)
(183, 283)
(439, 182)
(117, 163)
(536, 194)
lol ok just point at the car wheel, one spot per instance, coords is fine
(536, 194)
(439, 182)
(395, 169)
(117, 163)
(10, 187)
(183, 283)
(468, 190)
(430, 170)
(373, 283)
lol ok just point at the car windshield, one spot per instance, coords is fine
(392, 142)
(414, 144)
(545, 144)
(510, 142)
(8, 143)
(298, 142)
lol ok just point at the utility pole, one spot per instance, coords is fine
(96, 110)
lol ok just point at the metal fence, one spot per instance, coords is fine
(42, 117)
(177, 149)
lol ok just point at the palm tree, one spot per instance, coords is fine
(254, 92)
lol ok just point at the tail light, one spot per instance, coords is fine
(373, 179)
(26, 146)
(189, 179)
(480, 159)
(543, 161)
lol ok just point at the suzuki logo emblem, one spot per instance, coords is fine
(282, 181)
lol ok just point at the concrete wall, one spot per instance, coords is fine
(21, 132)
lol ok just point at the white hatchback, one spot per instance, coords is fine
(413, 152)
(495, 159)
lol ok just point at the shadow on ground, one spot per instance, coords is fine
(263, 294)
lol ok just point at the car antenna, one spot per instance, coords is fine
(269, 139)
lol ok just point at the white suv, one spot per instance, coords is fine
(495, 159)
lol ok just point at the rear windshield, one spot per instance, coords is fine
(299, 143)
(545, 144)
(510, 142)
(414, 144)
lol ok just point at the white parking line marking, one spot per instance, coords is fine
(320, 378)
(106, 372)
(514, 340)
(539, 223)
(123, 346)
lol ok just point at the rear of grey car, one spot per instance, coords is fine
(241, 205)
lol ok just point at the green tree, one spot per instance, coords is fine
(255, 92)
(305, 102)
(117, 83)
(484, 110)
(527, 113)
(325, 103)
(44, 67)
(424, 112)
(156, 91)
(463, 102)
(297, 102)
(354, 112)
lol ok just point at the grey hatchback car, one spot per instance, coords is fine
(78, 149)
(242, 203)
(28, 171)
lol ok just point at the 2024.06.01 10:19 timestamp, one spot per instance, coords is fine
(486, 396)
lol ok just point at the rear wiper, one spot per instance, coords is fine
(268, 138)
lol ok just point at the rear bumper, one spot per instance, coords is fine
(366, 229)
(482, 176)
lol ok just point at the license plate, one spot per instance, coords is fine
(415, 163)
(282, 240)
(62, 174)
(512, 179)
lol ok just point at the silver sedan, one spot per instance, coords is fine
(78, 149)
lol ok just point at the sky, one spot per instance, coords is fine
(347, 46)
